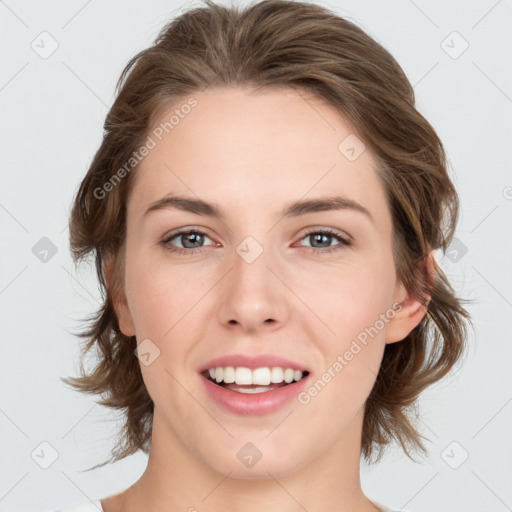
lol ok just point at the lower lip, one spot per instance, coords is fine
(253, 404)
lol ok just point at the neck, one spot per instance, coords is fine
(176, 479)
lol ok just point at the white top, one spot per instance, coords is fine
(92, 506)
(95, 506)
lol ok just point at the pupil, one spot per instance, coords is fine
(188, 236)
(318, 236)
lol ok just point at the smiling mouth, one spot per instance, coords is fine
(253, 388)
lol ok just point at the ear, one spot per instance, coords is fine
(115, 287)
(411, 310)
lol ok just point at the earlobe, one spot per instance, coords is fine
(410, 311)
(118, 298)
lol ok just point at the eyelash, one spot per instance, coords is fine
(344, 242)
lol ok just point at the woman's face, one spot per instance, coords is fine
(253, 281)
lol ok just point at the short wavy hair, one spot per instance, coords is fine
(266, 45)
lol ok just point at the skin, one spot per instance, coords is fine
(252, 154)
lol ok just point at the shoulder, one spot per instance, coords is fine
(383, 508)
(91, 506)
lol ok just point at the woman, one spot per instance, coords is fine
(264, 211)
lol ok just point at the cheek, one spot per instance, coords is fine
(353, 304)
(160, 294)
(356, 312)
(351, 298)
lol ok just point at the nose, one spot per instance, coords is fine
(252, 297)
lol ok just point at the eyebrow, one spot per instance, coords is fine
(294, 209)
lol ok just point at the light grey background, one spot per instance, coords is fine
(52, 111)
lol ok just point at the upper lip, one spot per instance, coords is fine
(253, 362)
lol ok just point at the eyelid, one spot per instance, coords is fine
(331, 231)
(185, 229)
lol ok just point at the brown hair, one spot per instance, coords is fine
(270, 44)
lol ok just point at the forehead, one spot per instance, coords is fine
(242, 148)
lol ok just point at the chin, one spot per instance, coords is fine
(252, 461)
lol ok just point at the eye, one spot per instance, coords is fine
(325, 237)
(191, 240)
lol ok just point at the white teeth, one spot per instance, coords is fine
(242, 375)
(261, 389)
(260, 376)
(229, 375)
(288, 375)
(276, 375)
